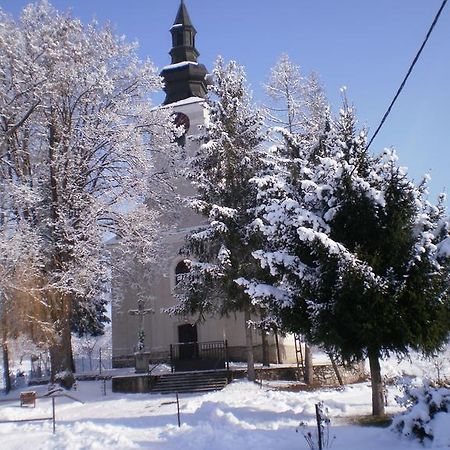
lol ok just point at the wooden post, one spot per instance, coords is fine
(265, 349)
(171, 358)
(226, 356)
(277, 345)
(53, 415)
(319, 428)
(100, 360)
(178, 411)
(308, 363)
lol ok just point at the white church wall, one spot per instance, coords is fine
(161, 330)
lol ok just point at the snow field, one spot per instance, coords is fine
(242, 416)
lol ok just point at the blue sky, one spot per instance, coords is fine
(366, 46)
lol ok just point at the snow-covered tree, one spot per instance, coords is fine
(298, 113)
(221, 251)
(357, 252)
(297, 103)
(76, 130)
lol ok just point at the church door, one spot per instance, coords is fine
(187, 337)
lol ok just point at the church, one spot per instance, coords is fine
(163, 337)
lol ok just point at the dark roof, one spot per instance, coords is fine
(184, 77)
(183, 16)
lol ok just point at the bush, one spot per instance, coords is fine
(65, 379)
(422, 404)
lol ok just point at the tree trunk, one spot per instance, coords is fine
(6, 376)
(377, 384)
(309, 370)
(251, 375)
(61, 352)
(61, 356)
(265, 348)
(277, 345)
(336, 370)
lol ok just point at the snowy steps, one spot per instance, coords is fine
(186, 382)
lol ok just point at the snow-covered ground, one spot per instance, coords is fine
(242, 416)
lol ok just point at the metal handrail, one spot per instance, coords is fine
(208, 350)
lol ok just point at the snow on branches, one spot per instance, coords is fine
(77, 132)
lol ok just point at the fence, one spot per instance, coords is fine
(34, 419)
(199, 355)
(92, 362)
(51, 395)
(96, 361)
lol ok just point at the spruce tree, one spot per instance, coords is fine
(220, 252)
(357, 252)
(298, 113)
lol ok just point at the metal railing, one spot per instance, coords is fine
(199, 355)
(51, 395)
(93, 362)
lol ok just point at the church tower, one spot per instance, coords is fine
(186, 89)
(185, 76)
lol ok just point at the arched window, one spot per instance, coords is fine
(181, 269)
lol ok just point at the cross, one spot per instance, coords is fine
(141, 312)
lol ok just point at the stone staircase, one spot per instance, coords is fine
(186, 382)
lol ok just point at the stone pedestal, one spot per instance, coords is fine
(132, 384)
(141, 362)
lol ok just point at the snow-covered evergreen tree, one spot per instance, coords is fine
(76, 128)
(298, 113)
(221, 251)
(354, 247)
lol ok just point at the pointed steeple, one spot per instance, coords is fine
(183, 16)
(184, 77)
(183, 37)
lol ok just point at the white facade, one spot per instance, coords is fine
(161, 330)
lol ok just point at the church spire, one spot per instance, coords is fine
(184, 77)
(183, 37)
(183, 16)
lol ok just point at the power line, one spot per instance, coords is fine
(408, 73)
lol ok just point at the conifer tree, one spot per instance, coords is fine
(220, 252)
(358, 253)
(298, 113)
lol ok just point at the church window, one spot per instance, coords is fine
(181, 269)
(182, 120)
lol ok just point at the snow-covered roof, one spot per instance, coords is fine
(444, 248)
(180, 64)
(187, 101)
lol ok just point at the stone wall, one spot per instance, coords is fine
(324, 374)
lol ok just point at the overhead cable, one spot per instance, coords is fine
(402, 85)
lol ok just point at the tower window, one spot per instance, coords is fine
(181, 269)
(179, 38)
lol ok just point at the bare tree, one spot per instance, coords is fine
(77, 136)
